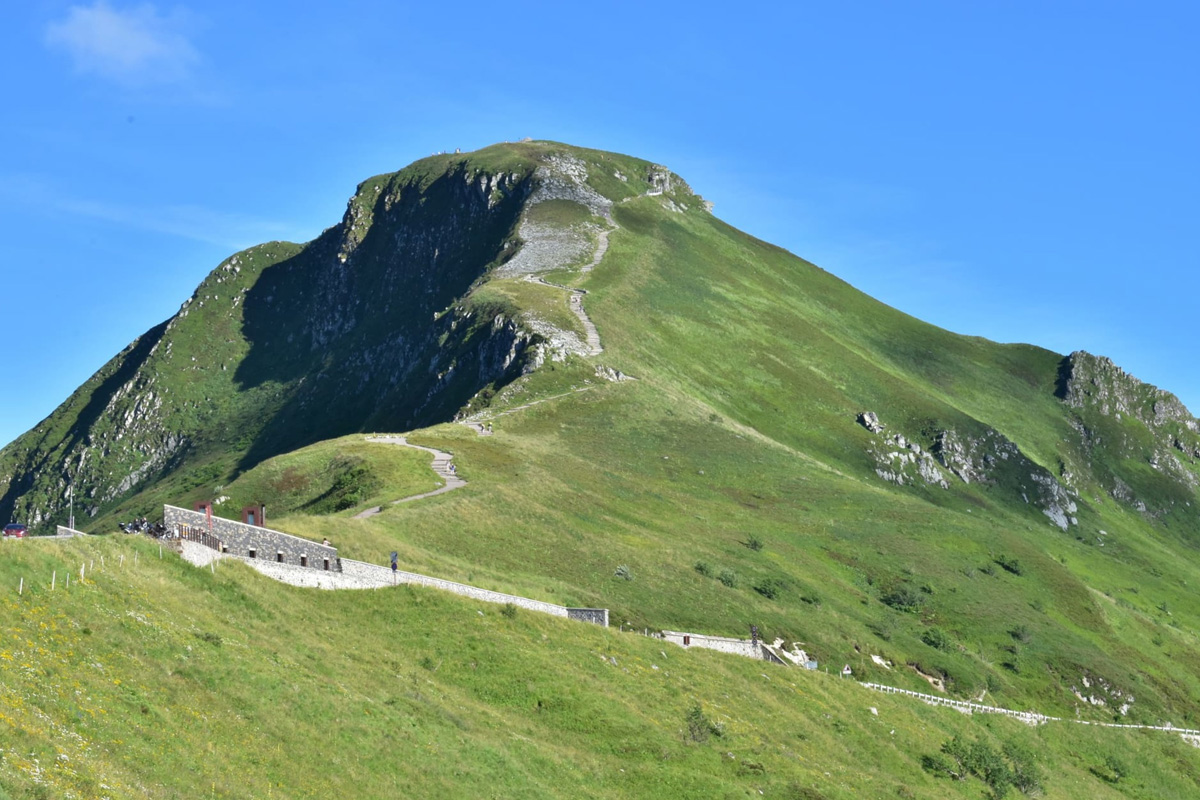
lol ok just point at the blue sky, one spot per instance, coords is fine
(1020, 171)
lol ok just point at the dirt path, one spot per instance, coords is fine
(601, 247)
(483, 429)
(441, 465)
(575, 303)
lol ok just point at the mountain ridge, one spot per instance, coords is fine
(490, 232)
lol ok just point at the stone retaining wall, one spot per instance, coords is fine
(361, 575)
(383, 577)
(596, 616)
(268, 545)
(739, 647)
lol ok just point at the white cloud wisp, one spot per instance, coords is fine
(136, 46)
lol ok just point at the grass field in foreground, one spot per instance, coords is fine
(155, 679)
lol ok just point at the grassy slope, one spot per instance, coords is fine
(154, 679)
(339, 475)
(752, 369)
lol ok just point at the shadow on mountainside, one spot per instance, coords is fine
(352, 334)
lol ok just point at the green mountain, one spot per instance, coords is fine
(717, 434)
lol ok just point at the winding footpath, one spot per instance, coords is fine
(575, 300)
(575, 303)
(442, 465)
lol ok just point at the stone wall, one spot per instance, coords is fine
(361, 575)
(740, 647)
(596, 616)
(197, 554)
(268, 545)
(384, 577)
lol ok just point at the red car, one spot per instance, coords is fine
(15, 529)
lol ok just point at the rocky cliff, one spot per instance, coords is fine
(1140, 442)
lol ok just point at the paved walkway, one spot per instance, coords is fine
(442, 465)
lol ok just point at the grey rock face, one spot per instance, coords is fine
(870, 421)
(989, 459)
(1113, 412)
(547, 247)
(900, 461)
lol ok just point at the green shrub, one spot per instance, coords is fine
(769, 587)
(728, 577)
(1010, 564)
(941, 766)
(699, 727)
(704, 569)
(903, 597)
(1027, 777)
(936, 638)
(884, 628)
(990, 767)
(1013, 767)
(509, 610)
(623, 573)
(754, 543)
(1112, 771)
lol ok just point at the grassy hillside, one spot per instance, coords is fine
(154, 679)
(740, 431)
(344, 474)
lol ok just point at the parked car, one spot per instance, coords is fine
(16, 529)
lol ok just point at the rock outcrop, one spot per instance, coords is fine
(1121, 421)
(988, 458)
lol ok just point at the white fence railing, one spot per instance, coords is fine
(1026, 716)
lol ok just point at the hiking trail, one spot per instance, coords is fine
(442, 466)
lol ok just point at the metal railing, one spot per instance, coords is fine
(189, 533)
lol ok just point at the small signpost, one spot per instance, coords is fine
(395, 566)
